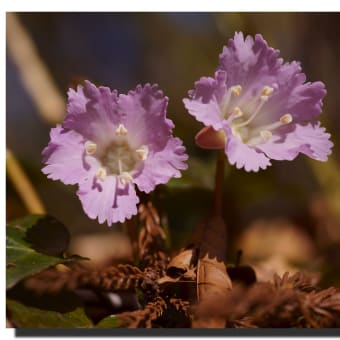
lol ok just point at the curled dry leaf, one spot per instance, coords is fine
(184, 264)
(182, 267)
(213, 282)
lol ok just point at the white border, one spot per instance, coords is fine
(163, 5)
(129, 6)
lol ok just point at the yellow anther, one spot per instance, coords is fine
(125, 178)
(90, 147)
(237, 112)
(142, 152)
(266, 135)
(286, 119)
(267, 91)
(101, 174)
(236, 90)
(121, 130)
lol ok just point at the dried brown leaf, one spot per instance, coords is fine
(182, 263)
(213, 282)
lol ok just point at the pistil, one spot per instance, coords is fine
(265, 93)
(252, 117)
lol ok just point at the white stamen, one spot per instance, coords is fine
(233, 90)
(267, 91)
(90, 147)
(142, 152)
(257, 110)
(101, 174)
(121, 130)
(286, 119)
(266, 135)
(236, 90)
(125, 178)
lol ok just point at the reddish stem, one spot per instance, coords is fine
(219, 179)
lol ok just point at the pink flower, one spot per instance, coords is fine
(261, 108)
(110, 142)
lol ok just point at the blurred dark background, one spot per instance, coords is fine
(120, 50)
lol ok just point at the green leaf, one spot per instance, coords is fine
(34, 243)
(111, 321)
(29, 317)
(200, 175)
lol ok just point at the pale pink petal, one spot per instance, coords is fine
(108, 200)
(160, 166)
(310, 139)
(143, 113)
(243, 156)
(100, 116)
(204, 102)
(65, 157)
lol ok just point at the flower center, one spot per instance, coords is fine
(244, 124)
(118, 158)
